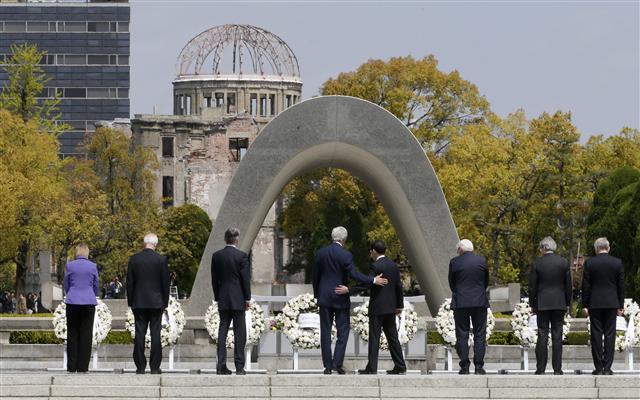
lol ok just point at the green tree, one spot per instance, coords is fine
(125, 175)
(433, 104)
(26, 83)
(30, 183)
(616, 215)
(185, 231)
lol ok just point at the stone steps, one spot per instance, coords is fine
(292, 387)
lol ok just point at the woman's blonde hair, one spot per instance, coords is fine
(82, 250)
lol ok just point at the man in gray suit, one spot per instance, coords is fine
(550, 296)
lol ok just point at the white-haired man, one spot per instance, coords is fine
(550, 296)
(468, 280)
(603, 300)
(148, 297)
(332, 268)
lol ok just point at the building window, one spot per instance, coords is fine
(75, 26)
(75, 92)
(167, 147)
(219, 99)
(123, 93)
(287, 101)
(253, 105)
(123, 60)
(272, 104)
(238, 147)
(188, 105)
(99, 93)
(75, 59)
(123, 27)
(207, 102)
(15, 26)
(97, 27)
(37, 26)
(263, 105)
(98, 59)
(231, 103)
(167, 191)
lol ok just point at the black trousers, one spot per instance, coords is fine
(556, 319)
(239, 336)
(478, 317)
(150, 318)
(341, 316)
(79, 336)
(386, 323)
(603, 323)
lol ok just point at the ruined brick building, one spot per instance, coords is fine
(230, 81)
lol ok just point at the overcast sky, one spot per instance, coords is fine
(582, 57)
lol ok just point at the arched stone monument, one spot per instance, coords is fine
(359, 137)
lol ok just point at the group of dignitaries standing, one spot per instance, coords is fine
(550, 297)
(550, 292)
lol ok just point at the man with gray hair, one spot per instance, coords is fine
(468, 280)
(148, 297)
(549, 296)
(603, 300)
(331, 271)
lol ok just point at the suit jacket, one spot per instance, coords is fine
(385, 299)
(603, 282)
(148, 280)
(81, 282)
(332, 267)
(550, 283)
(468, 280)
(230, 278)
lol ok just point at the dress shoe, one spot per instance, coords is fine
(597, 372)
(241, 372)
(464, 371)
(366, 372)
(559, 372)
(607, 372)
(480, 371)
(539, 372)
(340, 371)
(156, 371)
(140, 372)
(327, 371)
(396, 371)
(224, 371)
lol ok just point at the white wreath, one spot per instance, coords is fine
(212, 323)
(307, 338)
(631, 335)
(101, 322)
(446, 326)
(173, 322)
(523, 328)
(407, 327)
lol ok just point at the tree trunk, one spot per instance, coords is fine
(22, 259)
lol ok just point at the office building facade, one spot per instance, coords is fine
(87, 45)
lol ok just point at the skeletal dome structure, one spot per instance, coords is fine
(236, 69)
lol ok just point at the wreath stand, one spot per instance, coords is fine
(296, 365)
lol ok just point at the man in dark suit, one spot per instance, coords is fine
(231, 282)
(468, 280)
(385, 303)
(550, 296)
(148, 297)
(333, 266)
(603, 300)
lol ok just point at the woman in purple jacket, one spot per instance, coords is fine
(81, 286)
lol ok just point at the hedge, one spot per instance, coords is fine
(508, 338)
(48, 337)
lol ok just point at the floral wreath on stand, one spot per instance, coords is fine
(173, 322)
(631, 335)
(258, 325)
(301, 338)
(407, 327)
(101, 322)
(522, 329)
(446, 326)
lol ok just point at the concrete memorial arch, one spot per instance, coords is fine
(369, 142)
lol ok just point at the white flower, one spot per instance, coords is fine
(360, 324)
(445, 324)
(170, 331)
(101, 322)
(212, 323)
(300, 338)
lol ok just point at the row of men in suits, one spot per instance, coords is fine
(331, 272)
(550, 291)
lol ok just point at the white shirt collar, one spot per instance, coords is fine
(379, 257)
(231, 245)
(338, 243)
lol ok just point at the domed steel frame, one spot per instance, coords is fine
(264, 50)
